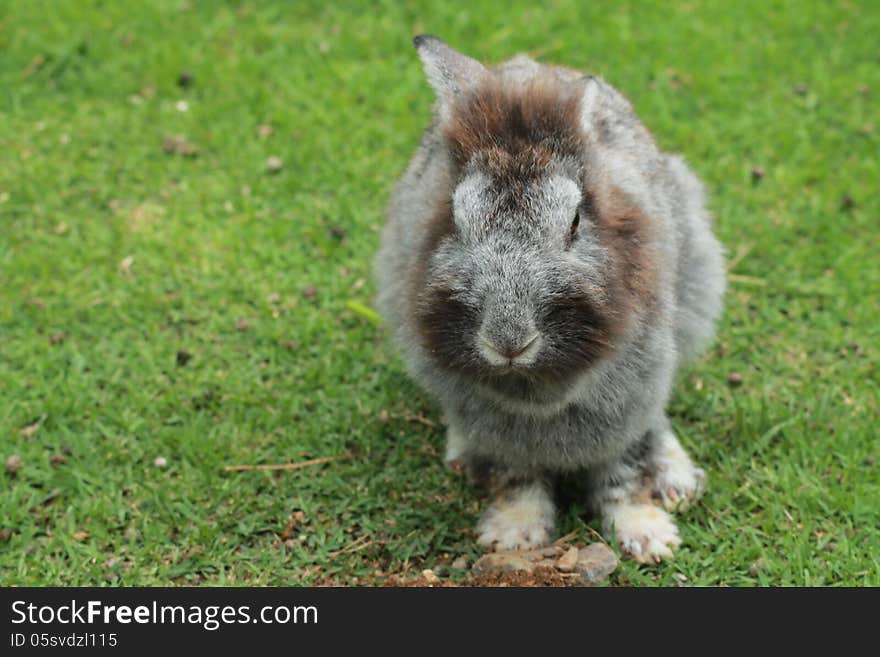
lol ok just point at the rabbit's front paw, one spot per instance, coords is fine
(676, 480)
(644, 532)
(522, 519)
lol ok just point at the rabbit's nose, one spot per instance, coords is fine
(513, 352)
(521, 353)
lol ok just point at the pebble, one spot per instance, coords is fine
(13, 463)
(503, 562)
(595, 563)
(568, 561)
(274, 164)
(160, 461)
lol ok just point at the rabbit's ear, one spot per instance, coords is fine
(449, 72)
(591, 99)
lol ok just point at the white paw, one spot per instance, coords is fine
(522, 520)
(643, 531)
(676, 480)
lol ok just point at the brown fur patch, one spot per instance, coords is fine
(514, 130)
(440, 319)
(627, 231)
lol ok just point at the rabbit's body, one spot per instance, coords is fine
(545, 270)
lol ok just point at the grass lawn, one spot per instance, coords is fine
(184, 299)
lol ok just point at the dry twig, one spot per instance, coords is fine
(288, 466)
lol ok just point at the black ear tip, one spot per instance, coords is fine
(423, 39)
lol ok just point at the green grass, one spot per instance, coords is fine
(115, 255)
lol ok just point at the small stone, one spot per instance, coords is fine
(13, 463)
(241, 324)
(160, 461)
(183, 357)
(568, 561)
(264, 130)
(337, 232)
(66, 449)
(756, 567)
(57, 459)
(185, 79)
(430, 576)
(274, 164)
(461, 563)
(801, 89)
(292, 345)
(310, 292)
(680, 577)
(735, 379)
(551, 551)
(58, 337)
(757, 174)
(847, 202)
(831, 546)
(595, 563)
(5, 534)
(112, 561)
(502, 562)
(181, 106)
(131, 534)
(441, 570)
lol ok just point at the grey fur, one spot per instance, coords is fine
(597, 423)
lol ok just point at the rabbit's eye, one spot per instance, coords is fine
(572, 233)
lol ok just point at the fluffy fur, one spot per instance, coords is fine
(545, 269)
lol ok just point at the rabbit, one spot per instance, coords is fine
(544, 271)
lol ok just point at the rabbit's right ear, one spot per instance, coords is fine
(449, 72)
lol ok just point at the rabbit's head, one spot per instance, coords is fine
(535, 263)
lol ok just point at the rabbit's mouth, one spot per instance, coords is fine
(531, 384)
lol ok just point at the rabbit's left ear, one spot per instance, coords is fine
(449, 72)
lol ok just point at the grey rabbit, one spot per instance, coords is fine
(545, 270)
